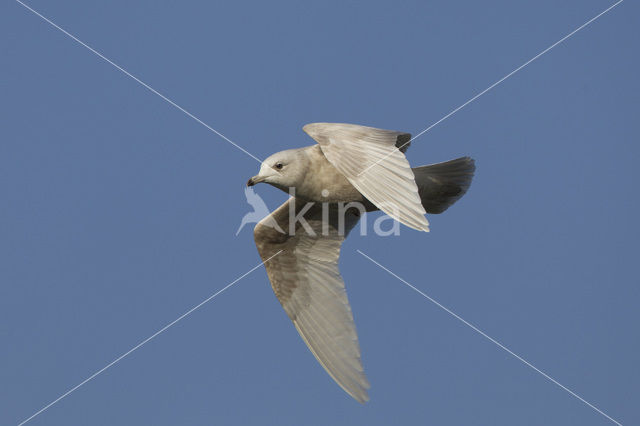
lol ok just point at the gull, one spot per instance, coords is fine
(352, 170)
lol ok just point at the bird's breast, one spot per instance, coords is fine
(324, 183)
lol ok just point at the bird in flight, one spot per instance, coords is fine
(352, 170)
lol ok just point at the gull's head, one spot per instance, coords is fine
(281, 170)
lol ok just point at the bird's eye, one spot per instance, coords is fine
(279, 166)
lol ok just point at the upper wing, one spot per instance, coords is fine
(370, 159)
(306, 281)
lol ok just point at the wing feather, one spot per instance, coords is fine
(307, 282)
(374, 163)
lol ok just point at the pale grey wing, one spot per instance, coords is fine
(370, 159)
(307, 282)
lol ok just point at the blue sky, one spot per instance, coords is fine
(119, 212)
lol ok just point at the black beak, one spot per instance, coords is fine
(254, 180)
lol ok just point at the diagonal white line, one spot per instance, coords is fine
(496, 83)
(91, 377)
(142, 83)
(491, 339)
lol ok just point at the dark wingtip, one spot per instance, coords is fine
(403, 141)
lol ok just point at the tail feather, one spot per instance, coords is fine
(442, 184)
